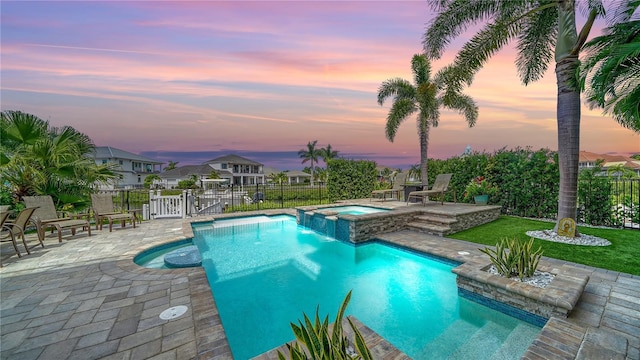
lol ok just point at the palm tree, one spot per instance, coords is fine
(328, 153)
(425, 97)
(310, 154)
(610, 70)
(171, 165)
(544, 30)
(279, 178)
(38, 159)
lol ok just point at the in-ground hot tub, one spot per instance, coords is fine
(335, 221)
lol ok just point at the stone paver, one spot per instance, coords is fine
(85, 299)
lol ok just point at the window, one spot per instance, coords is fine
(120, 162)
(104, 161)
(223, 166)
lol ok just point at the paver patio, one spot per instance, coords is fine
(85, 299)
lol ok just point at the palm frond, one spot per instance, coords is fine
(464, 104)
(609, 71)
(484, 44)
(536, 43)
(421, 69)
(399, 112)
(397, 87)
(453, 18)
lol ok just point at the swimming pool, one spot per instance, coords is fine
(264, 275)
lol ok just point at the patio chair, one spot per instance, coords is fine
(398, 183)
(440, 186)
(46, 217)
(15, 229)
(103, 209)
(7, 233)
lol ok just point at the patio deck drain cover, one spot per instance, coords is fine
(187, 256)
(173, 312)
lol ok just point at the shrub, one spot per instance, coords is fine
(320, 344)
(479, 186)
(511, 258)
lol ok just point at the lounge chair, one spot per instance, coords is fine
(440, 186)
(7, 232)
(103, 208)
(46, 217)
(15, 229)
(398, 183)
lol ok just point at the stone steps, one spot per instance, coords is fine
(433, 224)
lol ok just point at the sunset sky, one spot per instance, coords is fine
(189, 81)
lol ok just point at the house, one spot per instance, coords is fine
(132, 168)
(170, 178)
(588, 160)
(239, 170)
(293, 176)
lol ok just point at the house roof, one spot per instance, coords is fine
(290, 173)
(233, 159)
(609, 160)
(586, 156)
(108, 152)
(297, 173)
(187, 170)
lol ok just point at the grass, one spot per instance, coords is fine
(622, 255)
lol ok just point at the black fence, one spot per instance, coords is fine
(601, 201)
(609, 202)
(236, 198)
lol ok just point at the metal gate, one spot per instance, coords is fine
(170, 206)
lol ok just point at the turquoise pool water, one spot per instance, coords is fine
(154, 257)
(265, 272)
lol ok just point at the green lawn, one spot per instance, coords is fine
(622, 255)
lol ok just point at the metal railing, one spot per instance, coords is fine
(622, 210)
(615, 202)
(235, 198)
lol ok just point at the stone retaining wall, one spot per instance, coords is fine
(361, 228)
(472, 219)
(557, 299)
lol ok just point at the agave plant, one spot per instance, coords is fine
(514, 258)
(315, 341)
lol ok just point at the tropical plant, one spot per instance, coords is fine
(541, 29)
(279, 178)
(171, 165)
(190, 183)
(322, 174)
(310, 154)
(148, 181)
(36, 159)
(327, 153)
(609, 72)
(425, 98)
(479, 186)
(514, 258)
(314, 340)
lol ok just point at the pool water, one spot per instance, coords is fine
(264, 275)
(154, 257)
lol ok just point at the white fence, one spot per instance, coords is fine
(181, 206)
(171, 206)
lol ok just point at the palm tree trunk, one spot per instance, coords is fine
(424, 147)
(568, 112)
(312, 173)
